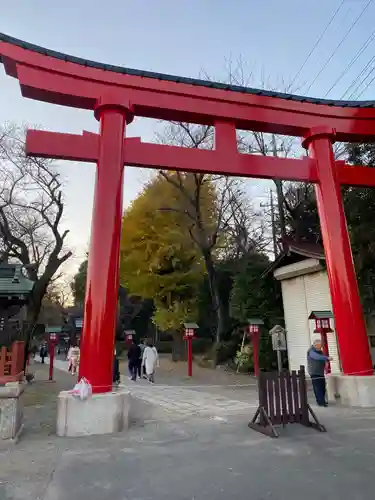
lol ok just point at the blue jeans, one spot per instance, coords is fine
(319, 386)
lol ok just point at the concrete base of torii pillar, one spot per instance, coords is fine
(352, 390)
(105, 413)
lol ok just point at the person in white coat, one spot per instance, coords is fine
(150, 361)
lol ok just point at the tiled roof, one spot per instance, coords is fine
(307, 250)
(180, 79)
(12, 281)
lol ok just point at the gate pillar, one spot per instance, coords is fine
(100, 311)
(349, 322)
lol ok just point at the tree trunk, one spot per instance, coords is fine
(216, 301)
(33, 310)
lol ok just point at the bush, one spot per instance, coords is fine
(164, 346)
(200, 346)
(225, 351)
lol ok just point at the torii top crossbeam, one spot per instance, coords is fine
(116, 94)
(58, 78)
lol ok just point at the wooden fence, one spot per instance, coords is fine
(11, 363)
(283, 400)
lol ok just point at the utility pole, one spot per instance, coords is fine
(279, 193)
(273, 225)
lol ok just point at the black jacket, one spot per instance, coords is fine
(134, 353)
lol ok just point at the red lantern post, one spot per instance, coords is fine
(129, 336)
(254, 334)
(323, 326)
(51, 347)
(189, 336)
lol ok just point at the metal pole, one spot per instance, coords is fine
(190, 356)
(51, 359)
(279, 362)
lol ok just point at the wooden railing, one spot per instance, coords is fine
(11, 363)
(283, 400)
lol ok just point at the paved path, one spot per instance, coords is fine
(192, 457)
(198, 459)
(187, 400)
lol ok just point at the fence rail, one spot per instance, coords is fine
(283, 400)
(11, 363)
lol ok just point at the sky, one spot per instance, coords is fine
(272, 38)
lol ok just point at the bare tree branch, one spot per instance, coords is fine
(31, 209)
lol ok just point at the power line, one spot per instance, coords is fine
(364, 46)
(352, 95)
(354, 82)
(316, 44)
(339, 45)
(367, 86)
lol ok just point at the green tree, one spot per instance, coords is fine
(257, 295)
(78, 284)
(359, 209)
(158, 259)
(211, 206)
(302, 220)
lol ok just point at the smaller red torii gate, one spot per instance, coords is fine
(116, 95)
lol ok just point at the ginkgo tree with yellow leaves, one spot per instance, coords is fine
(159, 259)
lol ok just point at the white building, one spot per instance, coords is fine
(305, 288)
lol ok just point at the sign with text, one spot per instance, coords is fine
(278, 334)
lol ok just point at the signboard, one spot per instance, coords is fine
(278, 335)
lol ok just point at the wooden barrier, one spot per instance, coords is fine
(11, 363)
(283, 400)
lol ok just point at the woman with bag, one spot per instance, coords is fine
(73, 358)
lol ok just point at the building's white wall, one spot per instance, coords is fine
(301, 295)
(318, 298)
(296, 322)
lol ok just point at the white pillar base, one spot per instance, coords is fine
(352, 390)
(106, 413)
(11, 410)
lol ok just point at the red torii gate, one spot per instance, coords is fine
(117, 94)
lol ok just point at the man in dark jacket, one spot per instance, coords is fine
(134, 353)
(316, 362)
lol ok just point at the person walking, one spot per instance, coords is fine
(34, 350)
(116, 369)
(73, 358)
(140, 367)
(134, 353)
(43, 352)
(150, 361)
(316, 361)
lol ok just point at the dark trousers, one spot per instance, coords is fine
(139, 368)
(133, 366)
(319, 386)
(116, 371)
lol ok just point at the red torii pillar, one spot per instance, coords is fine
(100, 312)
(349, 322)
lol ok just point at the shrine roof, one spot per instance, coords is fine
(180, 79)
(321, 315)
(296, 251)
(12, 280)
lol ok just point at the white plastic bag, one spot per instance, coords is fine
(82, 390)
